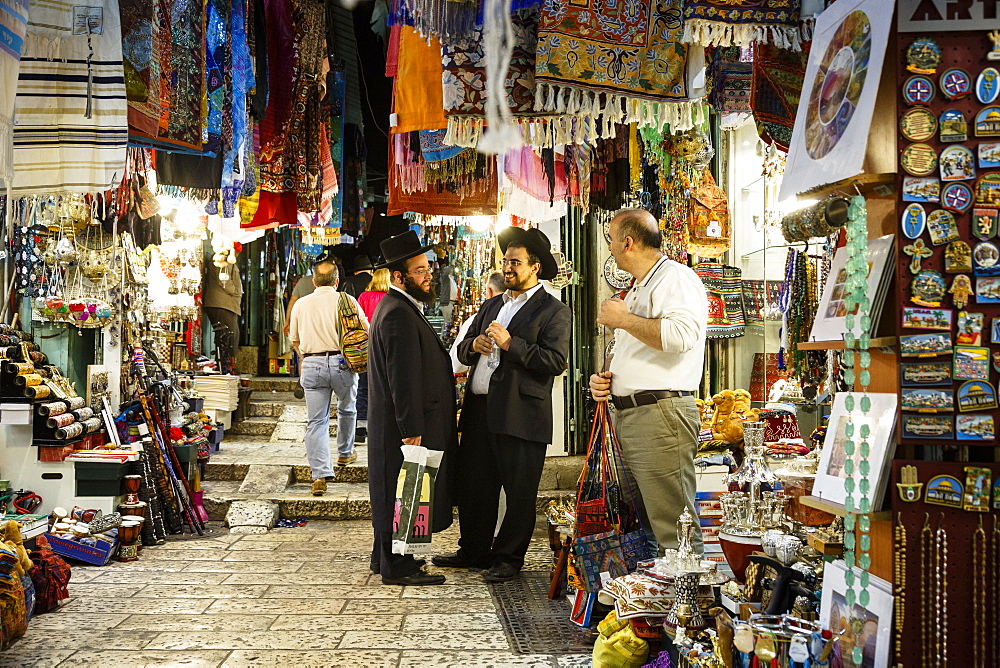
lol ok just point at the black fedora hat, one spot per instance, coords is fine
(362, 263)
(536, 243)
(326, 255)
(401, 247)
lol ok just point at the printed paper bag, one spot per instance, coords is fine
(411, 530)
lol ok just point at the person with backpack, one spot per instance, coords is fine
(329, 331)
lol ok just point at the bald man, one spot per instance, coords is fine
(655, 371)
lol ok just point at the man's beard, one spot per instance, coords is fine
(517, 284)
(413, 289)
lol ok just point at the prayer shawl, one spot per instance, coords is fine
(778, 75)
(742, 22)
(13, 26)
(71, 135)
(624, 62)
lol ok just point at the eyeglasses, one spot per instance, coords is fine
(513, 264)
(422, 272)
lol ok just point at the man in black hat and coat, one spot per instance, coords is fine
(411, 401)
(355, 284)
(506, 419)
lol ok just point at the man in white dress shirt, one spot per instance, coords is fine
(494, 287)
(655, 370)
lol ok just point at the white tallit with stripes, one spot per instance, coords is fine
(71, 114)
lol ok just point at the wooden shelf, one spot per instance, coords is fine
(837, 509)
(877, 342)
(880, 184)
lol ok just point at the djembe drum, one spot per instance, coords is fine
(128, 534)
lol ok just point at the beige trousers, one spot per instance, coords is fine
(659, 443)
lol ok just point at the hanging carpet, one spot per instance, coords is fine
(742, 23)
(778, 76)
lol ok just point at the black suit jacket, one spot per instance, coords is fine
(411, 392)
(519, 402)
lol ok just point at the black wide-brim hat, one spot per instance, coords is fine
(362, 263)
(401, 247)
(536, 243)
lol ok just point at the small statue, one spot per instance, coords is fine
(725, 427)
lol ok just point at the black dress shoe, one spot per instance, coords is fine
(376, 568)
(456, 561)
(501, 573)
(418, 579)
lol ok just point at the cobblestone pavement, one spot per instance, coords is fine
(293, 597)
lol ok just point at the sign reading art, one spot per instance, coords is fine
(947, 15)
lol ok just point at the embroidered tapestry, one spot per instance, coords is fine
(71, 135)
(778, 76)
(631, 52)
(742, 23)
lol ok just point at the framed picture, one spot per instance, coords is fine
(845, 62)
(830, 323)
(927, 318)
(881, 420)
(875, 618)
(929, 426)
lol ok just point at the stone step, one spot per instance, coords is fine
(559, 473)
(342, 501)
(253, 426)
(279, 383)
(265, 409)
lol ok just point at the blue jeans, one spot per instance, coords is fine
(322, 377)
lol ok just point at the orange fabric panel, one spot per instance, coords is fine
(417, 87)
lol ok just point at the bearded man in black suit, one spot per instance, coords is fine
(507, 411)
(411, 402)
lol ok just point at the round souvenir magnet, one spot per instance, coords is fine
(986, 255)
(955, 83)
(918, 89)
(616, 278)
(923, 56)
(928, 288)
(914, 220)
(953, 126)
(918, 124)
(957, 197)
(957, 164)
(919, 160)
(988, 85)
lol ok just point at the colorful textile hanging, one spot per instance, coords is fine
(184, 78)
(624, 62)
(742, 23)
(475, 195)
(448, 19)
(416, 88)
(72, 115)
(144, 32)
(732, 80)
(778, 76)
(13, 26)
(725, 299)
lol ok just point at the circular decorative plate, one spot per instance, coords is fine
(616, 278)
(919, 160)
(955, 83)
(988, 85)
(986, 255)
(918, 89)
(918, 124)
(957, 197)
(914, 220)
(836, 90)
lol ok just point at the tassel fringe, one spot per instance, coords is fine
(714, 33)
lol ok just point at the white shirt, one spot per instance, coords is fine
(456, 365)
(480, 383)
(674, 293)
(315, 320)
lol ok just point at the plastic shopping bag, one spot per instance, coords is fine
(411, 529)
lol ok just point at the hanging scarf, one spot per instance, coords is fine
(778, 75)
(624, 62)
(742, 23)
(417, 85)
(72, 115)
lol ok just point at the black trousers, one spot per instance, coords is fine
(488, 462)
(391, 565)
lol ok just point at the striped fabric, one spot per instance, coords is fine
(71, 110)
(13, 25)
